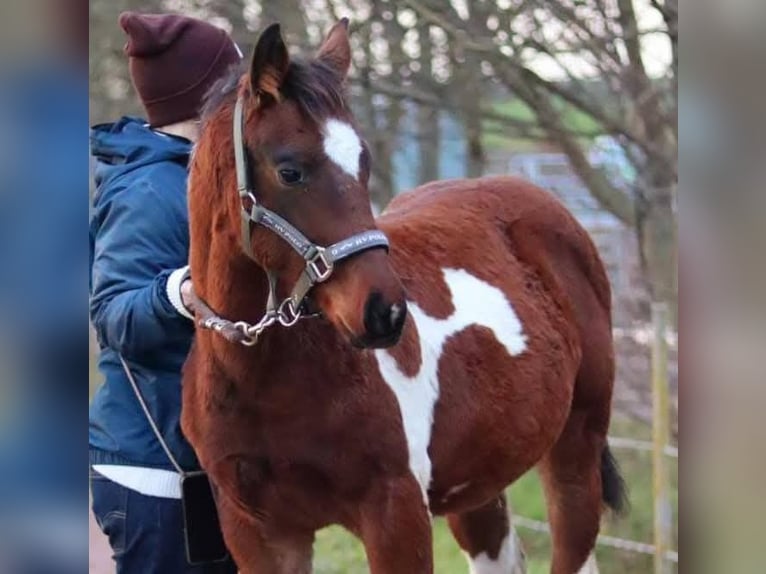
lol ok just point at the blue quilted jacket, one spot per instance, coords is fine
(138, 237)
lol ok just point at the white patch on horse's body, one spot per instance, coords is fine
(476, 303)
(343, 146)
(510, 559)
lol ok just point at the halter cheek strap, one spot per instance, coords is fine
(319, 261)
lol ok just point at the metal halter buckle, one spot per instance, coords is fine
(319, 267)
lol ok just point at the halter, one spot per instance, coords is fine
(320, 261)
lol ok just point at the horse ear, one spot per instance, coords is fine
(270, 62)
(335, 51)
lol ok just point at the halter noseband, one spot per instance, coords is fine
(320, 261)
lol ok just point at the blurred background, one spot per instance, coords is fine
(579, 96)
(43, 286)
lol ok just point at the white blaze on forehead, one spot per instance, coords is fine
(476, 302)
(343, 146)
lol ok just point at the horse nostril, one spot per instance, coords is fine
(382, 320)
(396, 311)
(398, 315)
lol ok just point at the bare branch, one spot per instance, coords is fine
(520, 128)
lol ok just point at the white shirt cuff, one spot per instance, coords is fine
(173, 289)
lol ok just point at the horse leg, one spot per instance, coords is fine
(488, 539)
(571, 477)
(395, 528)
(257, 549)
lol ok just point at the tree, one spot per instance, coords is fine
(559, 58)
(597, 48)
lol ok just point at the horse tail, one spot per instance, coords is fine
(613, 491)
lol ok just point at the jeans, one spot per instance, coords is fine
(145, 532)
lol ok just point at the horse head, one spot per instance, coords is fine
(303, 211)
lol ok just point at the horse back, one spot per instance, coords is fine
(537, 229)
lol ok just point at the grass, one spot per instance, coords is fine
(337, 552)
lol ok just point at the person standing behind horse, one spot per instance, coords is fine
(139, 290)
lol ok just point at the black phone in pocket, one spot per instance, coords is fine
(202, 528)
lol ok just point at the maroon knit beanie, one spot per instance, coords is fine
(173, 62)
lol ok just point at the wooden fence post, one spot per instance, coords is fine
(660, 430)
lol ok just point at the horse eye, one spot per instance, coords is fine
(290, 176)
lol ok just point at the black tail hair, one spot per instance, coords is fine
(613, 489)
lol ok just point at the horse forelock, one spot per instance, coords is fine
(315, 87)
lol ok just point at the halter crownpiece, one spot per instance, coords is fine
(320, 261)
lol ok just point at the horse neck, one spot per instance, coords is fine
(235, 286)
(238, 290)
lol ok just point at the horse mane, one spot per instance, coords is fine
(316, 87)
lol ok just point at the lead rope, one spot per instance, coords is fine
(149, 417)
(243, 332)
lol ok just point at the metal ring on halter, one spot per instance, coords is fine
(287, 314)
(251, 196)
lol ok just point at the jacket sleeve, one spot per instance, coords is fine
(139, 239)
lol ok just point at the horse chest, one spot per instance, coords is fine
(475, 302)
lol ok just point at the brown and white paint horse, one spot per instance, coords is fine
(371, 417)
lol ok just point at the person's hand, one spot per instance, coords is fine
(187, 295)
